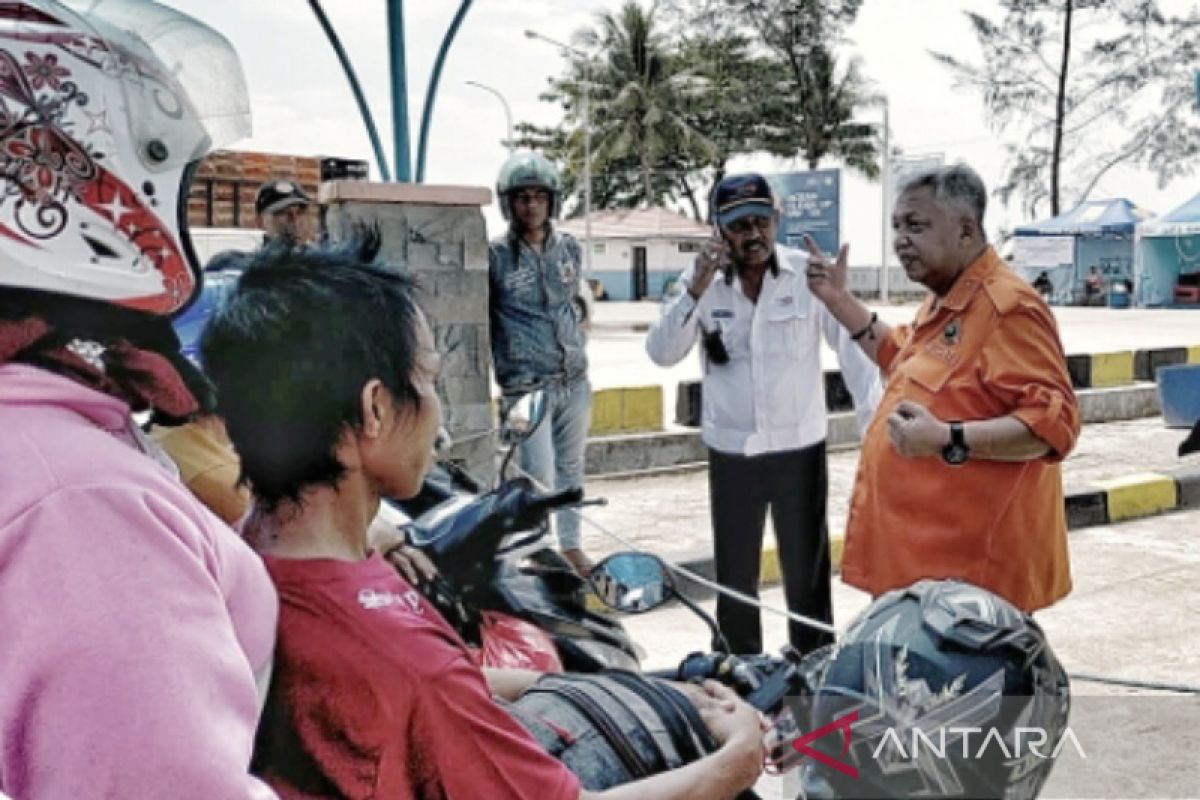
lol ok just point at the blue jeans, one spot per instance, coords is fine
(553, 455)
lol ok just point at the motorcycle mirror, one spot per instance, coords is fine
(522, 416)
(631, 582)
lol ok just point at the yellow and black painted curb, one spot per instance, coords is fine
(1106, 502)
(635, 409)
(1088, 371)
(1133, 496)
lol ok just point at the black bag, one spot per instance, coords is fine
(613, 727)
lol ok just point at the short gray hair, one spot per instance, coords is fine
(956, 185)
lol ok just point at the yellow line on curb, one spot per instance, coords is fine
(769, 574)
(1139, 495)
(633, 409)
(1111, 369)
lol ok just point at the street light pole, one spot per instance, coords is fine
(587, 141)
(587, 169)
(886, 208)
(507, 110)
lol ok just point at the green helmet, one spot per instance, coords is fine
(528, 170)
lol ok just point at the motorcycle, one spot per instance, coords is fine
(495, 563)
(638, 582)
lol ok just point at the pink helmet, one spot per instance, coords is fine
(106, 106)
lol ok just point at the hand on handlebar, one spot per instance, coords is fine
(410, 562)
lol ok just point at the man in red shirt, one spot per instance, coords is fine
(326, 370)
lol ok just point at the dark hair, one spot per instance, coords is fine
(72, 317)
(291, 350)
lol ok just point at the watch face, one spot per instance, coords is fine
(954, 454)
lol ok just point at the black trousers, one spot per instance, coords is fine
(794, 485)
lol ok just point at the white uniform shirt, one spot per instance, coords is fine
(770, 396)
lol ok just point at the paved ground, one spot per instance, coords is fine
(668, 514)
(618, 356)
(1134, 613)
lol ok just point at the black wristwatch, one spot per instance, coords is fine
(956, 453)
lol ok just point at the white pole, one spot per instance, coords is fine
(886, 209)
(587, 142)
(507, 110)
(587, 170)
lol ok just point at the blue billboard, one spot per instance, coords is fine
(809, 202)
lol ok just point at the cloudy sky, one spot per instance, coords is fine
(303, 105)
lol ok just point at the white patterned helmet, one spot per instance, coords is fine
(106, 107)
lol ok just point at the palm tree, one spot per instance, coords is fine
(825, 126)
(640, 94)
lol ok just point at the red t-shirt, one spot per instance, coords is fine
(374, 696)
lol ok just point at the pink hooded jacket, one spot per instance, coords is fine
(133, 622)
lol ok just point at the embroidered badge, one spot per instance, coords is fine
(952, 333)
(722, 313)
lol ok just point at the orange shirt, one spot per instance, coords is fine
(991, 349)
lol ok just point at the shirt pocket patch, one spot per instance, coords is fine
(928, 371)
(783, 328)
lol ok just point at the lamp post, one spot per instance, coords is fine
(503, 102)
(885, 180)
(587, 141)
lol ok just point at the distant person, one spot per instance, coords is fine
(765, 419)
(538, 339)
(959, 474)
(1094, 286)
(1044, 287)
(283, 212)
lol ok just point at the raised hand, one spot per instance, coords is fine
(826, 279)
(714, 256)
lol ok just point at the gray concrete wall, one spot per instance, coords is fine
(436, 233)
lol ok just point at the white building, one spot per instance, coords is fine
(637, 253)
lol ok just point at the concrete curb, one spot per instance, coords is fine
(1115, 500)
(632, 454)
(627, 422)
(632, 409)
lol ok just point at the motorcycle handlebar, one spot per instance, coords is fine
(549, 502)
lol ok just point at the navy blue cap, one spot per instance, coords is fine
(740, 196)
(275, 196)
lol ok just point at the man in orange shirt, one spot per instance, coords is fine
(959, 475)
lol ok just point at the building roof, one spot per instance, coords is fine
(638, 223)
(1178, 222)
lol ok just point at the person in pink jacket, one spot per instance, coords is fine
(134, 624)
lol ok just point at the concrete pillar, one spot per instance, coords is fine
(436, 233)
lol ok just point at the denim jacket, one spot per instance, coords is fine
(535, 331)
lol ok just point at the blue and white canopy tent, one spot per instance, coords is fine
(1097, 233)
(1168, 247)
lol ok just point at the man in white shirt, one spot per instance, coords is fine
(764, 412)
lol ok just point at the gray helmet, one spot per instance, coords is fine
(942, 659)
(528, 170)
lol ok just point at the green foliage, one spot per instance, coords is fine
(1077, 87)
(681, 87)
